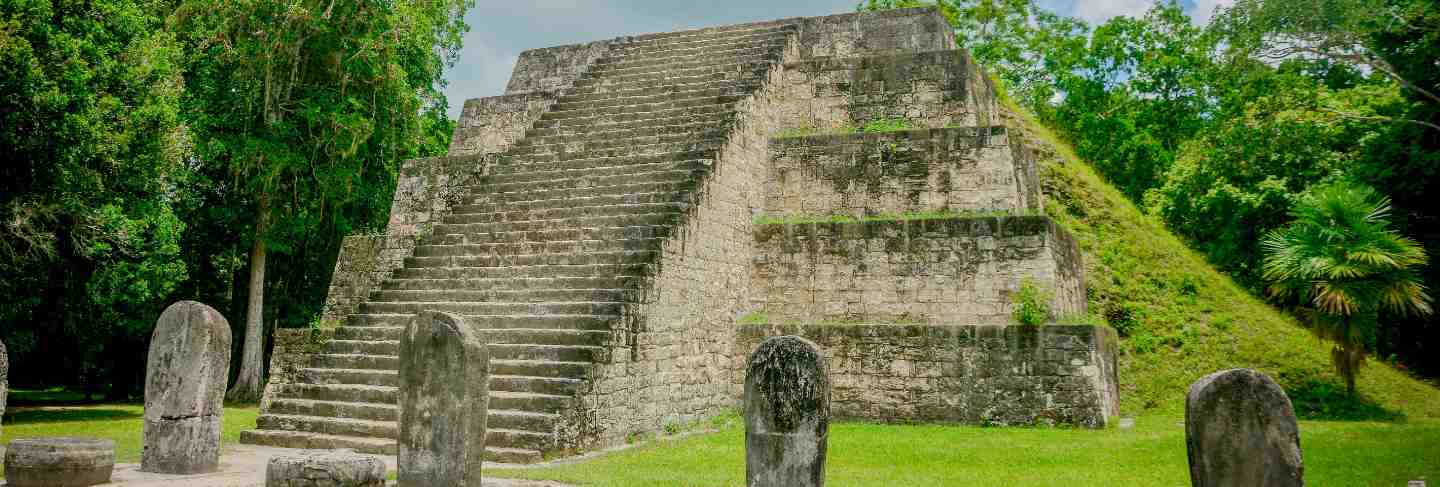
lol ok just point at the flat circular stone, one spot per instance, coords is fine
(68, 462)
(338, 468)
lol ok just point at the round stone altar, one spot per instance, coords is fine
(63, 462)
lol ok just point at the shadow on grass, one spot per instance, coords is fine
(1326, 401)
(57, 415)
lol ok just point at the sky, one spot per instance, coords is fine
(499, 31)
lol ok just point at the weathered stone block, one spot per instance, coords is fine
(341, 468)
(787, 414)
(185, 377)
(443, 379)
(58, 462)
(1240, 429)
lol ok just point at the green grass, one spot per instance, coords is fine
(1180, 319)
(122, 422)
(1153, 453)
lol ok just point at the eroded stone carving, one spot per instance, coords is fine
(342, 468)
(443, 380)
(185, 376)
(787, 414)
(4, 379)
(1240, 430)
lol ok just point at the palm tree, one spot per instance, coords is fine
(1342, 261)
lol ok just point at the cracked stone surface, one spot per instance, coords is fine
(1240, 429)
(69, 462)
(787, 414)
(185, 378)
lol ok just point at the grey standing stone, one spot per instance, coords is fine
(58, 462)
(1240, 430)
(185, 378)
(787, 414)
(443, 380)
(338, 468)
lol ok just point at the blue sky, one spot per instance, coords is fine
(499, 31)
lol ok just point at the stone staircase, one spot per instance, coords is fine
(546, 249)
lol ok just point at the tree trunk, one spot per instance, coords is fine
(248, 387)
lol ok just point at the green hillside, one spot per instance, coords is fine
(1182, 319)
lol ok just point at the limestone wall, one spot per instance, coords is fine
(928, 89)
(990, 375)
(492, 124)
(553, 68)
(293, 349)
(942, 271)
(875, 33)
(927, 170)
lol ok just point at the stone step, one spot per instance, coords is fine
(501, 296)
(600, 200)
(608, 282)
(367, 377)
(520, 420)
(541, 271)
(659, 43)
(585, 126)
(662, 103)
(560, 386)
(529, 440)
(652, 144)
(565, 322)
(512, 455)
(608, 168)
(329, 426)
(733, 54)
(545, 308)
(557, 353)
(335, 409)
(562, 213)
(525, 401)
(731, 71)
(542, 247)
(563, 194)
(754, 74)
(363, 347)
(316, 441)
(635, 97)
(554, 135)
(583, 258)
(541, 368)
(764, 46)
(648, 219)
(487, 186)
(361, 361)
(676, 149)
(338, 393)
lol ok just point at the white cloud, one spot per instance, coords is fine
(1096, 12)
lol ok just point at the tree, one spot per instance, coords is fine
(1343, 263)
(307, 106)
(92, 148)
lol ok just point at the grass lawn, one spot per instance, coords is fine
(1153, 453)
(122, 422)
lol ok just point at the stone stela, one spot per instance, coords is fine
(787, 414)
(633, 216)
(185, 376)
(1240, 429)
(444, 367)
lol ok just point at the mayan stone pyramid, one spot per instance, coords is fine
(633, 215)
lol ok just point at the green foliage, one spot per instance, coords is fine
(883, 125)
(1032, 303)
(1340, 259)
(92, 145)
(753, 318)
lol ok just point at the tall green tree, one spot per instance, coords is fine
(303, 105)
(1341, 260)
(92, 146)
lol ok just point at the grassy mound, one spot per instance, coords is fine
(1182, 319)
